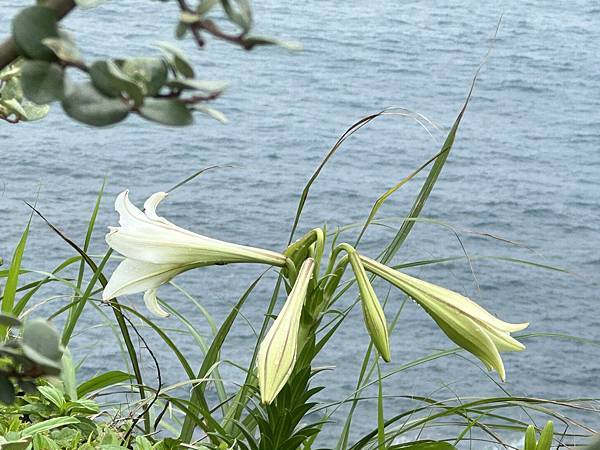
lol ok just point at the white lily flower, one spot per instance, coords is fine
(157, 250)
(464, 321)
(277, 352)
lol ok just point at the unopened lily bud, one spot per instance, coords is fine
(277, 352)
(530, 441)
(157, 250)
(464, 321)
(372, 311)
(546, 436)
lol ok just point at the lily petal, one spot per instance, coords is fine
(149, 237)
(152, 303)
(132, 276)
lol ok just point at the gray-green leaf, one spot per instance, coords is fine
(85, 104)
(241, 16)
(42, 82)
(252, 41)
(30, 27)
(209, 86)
(64, 47)
(9, 320)
(214, 113)
(7, 391)
(43, 338)
(166, 111)
(151, 73)
(34, 111)
(177, 59)
(86, 4)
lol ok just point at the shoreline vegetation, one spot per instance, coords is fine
(321, 281)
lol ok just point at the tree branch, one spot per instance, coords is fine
(8, 49)
(210, 27)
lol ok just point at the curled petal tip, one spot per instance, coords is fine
(152, 202)
(121, 197)
(519, 326)
(152, 303)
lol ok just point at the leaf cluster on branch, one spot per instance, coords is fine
(160, 88)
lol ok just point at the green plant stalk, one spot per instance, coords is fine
(79, 303)
(365, 375)
(75, 313)
(243, 395)
(429, 183)
(380, 415)
(197, 399)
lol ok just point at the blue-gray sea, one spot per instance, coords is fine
(522, 181)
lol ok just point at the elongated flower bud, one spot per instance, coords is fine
(372, 311)
(464, 321)
(530, 440)
(277, 352)
(546, 436)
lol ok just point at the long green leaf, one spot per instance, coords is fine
(102, 381)
(49, 424)
(429, 183)
(75, 313)
(211, 357)
(8, 299)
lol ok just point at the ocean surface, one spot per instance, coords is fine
(522, 181)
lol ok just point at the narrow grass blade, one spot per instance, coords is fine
(429, 183)
(10, 289)
(197, 398)
(102, 381)
(75, 312)
(380, 415)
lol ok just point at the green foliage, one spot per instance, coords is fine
(61, 414)
(14, 105)
(159, 89)
(30, 27)
(43, 405)
(35, 354)
(49, 417)
(423, 445)
(85, 104)
(279, 423)
(42, 82)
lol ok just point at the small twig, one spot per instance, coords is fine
(195, 31)
(9, 120)
(200, 98)
(210, 27)
(80, 65)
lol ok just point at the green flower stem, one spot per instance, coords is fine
(314, 236)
